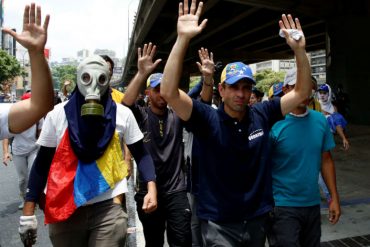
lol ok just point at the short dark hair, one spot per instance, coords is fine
(108, 59)
(314, 82)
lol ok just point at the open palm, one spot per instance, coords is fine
(187, 23)
(287, 22)
(145, 62)
(33, 36)
(206, 65)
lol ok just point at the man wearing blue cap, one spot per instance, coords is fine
(162, 130)
(235, 195)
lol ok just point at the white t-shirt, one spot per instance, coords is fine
(127, 128)
(25, 142)
(4, 127)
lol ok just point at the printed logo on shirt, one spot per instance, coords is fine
(255, 134)
(146, 136)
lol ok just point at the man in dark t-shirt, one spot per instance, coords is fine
(162, 130)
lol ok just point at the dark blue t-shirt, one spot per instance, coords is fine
(235, 167)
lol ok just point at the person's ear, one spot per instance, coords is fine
(285, 90)
(221, 89)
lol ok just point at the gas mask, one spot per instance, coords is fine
(93, 82)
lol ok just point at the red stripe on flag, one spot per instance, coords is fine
(60, 204)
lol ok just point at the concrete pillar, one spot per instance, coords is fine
(348, 62)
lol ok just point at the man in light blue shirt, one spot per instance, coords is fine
(301, 145)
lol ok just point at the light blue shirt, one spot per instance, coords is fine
(297, 147)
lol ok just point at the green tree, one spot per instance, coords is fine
(9, 68)
(64, 73)
(194, 80)
(266, 78)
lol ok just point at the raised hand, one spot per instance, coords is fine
(145, 62)
(187, 23)
(206, 65)
(286, 23)
(33, 36)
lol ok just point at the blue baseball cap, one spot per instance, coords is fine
(277, 88)
(154, 80)
(233, 72)
(324, 88)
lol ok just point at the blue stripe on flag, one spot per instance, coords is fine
(88, 183)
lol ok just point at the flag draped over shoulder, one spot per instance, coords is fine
(72, 183)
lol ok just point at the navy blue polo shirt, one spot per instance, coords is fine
(234, 161)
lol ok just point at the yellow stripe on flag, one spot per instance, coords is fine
(111, 164)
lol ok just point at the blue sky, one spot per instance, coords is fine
(81, 24)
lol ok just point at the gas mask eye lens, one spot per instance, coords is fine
(102, 79)
(86, 78)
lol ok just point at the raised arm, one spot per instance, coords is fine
(187, 28)
(24, 114)
(145, 67)
(303, 86)
(207, 68)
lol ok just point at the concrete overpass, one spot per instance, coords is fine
(247, 30)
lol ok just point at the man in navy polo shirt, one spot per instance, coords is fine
(235, 195)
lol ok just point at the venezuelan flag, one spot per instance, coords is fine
(72, 183)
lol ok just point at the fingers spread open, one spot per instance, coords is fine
(291, 22)
(200, 8)
(181, 10)
(193, 7)
(298, 24)
(186, 7)
(46, 22)
(26, 16)
(285, 21)
(32, 14)
(139, 52)
(38, 16)
(153, 51)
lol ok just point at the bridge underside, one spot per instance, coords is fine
(247, 30)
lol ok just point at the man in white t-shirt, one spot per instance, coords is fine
(81, 158)
(23, 152)
(15, 118)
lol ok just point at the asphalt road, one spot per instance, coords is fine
(9, 212)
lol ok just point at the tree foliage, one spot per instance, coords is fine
(266, 78)
(9, 67)
(64, 73)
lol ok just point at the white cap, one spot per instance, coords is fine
(290, 77)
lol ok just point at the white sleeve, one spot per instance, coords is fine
(131, 133)
(4, 124)
(48, 136)
(41, 123)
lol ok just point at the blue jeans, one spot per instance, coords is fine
(296, 226)
(247, 233)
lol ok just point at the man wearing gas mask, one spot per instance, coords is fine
(80, 161)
